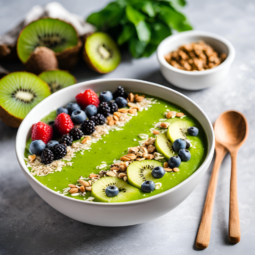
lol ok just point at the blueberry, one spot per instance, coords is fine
(105, 96)
(179, 144)
(72, 107)
(36, 147)
(51, 144)
(61, 110)
(111, 191)
(158, 172)
(188, 144)
(78, 116)
(174, 161)
(121, 102)
(148, 186)
(91, 110)
(184, 155)
(193, 131)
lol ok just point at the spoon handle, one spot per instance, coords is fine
(204, 232)
(234, 231)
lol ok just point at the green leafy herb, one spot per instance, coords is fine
(141, 24)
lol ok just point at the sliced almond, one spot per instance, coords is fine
(111, 122)
(156, 132)
(115, 118)
(139, 98)
(168, 169)
(131, 97)
(131, 156)
(131, 105)
(89, 188)
(121, 175)
(82, 189)
(166, 165)
(170, 115)
(132, 111)
(125, 178)
(164, 125)
(123, 110)
(111, 173)
(136, 107)
(124, 158)
(73, 190)
(85, 139)
(84, 183)
(180, 114)
(115, 168)
(118, 114)
(133, 149)
(140, 159)
(176, 169)
(93, 175)
(123, 167)
(32, 158)
(72, 186)
(149, 156)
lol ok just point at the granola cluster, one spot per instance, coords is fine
(195, 57)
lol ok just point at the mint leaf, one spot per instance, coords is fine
(159, 31)
(136, 47)
(127, 32)
(143, 31)
(133, 15)
(150, 48)
(177, 4)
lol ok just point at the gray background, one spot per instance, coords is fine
(30, 226)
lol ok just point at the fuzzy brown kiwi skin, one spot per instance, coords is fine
(42, 59)
(68, 58)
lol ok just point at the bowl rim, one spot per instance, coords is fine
(20, 156)
(229, 59)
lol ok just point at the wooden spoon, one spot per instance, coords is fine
(231, 130)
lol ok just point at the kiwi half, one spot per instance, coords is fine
(20, 92)
(101, 53)
(54, 34)
(57, 79)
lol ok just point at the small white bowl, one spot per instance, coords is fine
(200, 79)
(114, 214)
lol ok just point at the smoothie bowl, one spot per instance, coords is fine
(115, 152)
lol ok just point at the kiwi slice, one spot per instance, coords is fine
(164, 146)
(54, 34)
(20, 92)
(101, 53)
(140, 171)
(57, 79)
(126, 191)
(178, 129)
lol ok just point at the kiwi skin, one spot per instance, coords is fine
(42, 59)
(9, 119)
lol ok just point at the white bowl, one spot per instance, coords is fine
(114, 214)
(200, 79)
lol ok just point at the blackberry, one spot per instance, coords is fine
(76, 133)
(98, 119)
(119, 92)
(104, 108)
(59, 151)
(114, 107)
(88, 127)
(66, 140)
(47, 156)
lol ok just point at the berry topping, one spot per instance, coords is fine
(148, 186)
(174, 161)
(47, 156)
(113, 106)
(59, 151)
(91, 110)
(88, 97)
(184, 155)
(98, 119)
(61, 109)
(42, 131)
(105, 96)
(88, 127)
(193, 131)
(121, 102)
(72, 107)
(179, 144)
(51, 144)
(104, 109)
(158, 172)
(78, 116)
(66, 140)
(36, 147)
(120, 92)
(111, 191)
(76, 133)
(63, 123)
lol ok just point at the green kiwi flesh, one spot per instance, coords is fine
(57, 79)
(101, 53)
(51, 33)
(20, 92)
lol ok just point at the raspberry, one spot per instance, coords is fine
(88, 127)
(86, 98)
(114, 107)
(42, 131)
(76, 133)
(104, 109)
(98, 119)
(66, 140)
(47, 156)
(63, 123)
(119, 92)
(59, 151)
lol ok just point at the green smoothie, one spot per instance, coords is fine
(115, 144)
